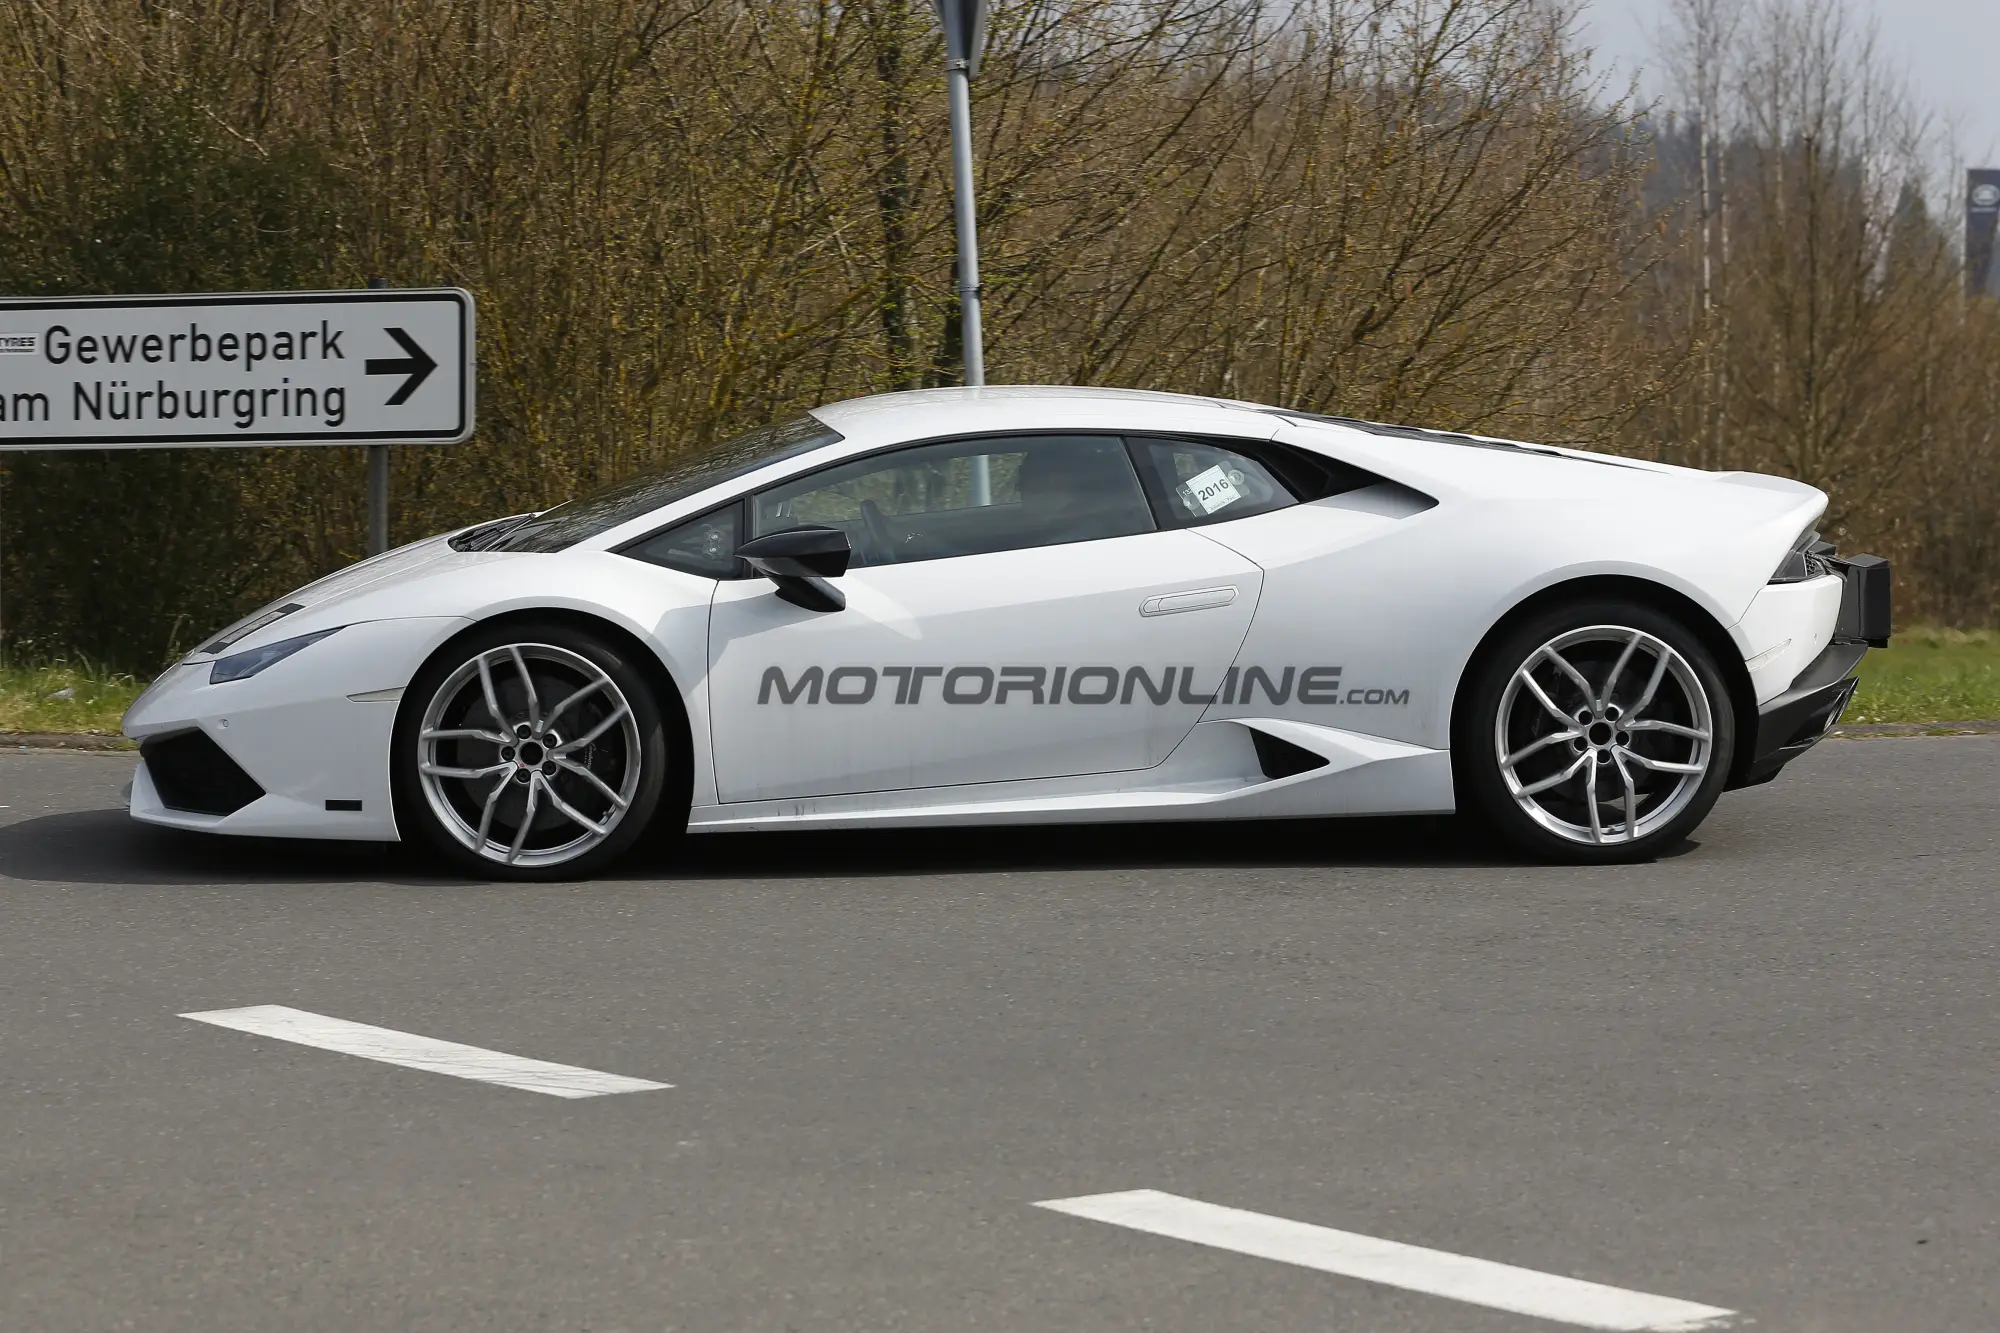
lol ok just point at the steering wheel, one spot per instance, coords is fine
(878, 532)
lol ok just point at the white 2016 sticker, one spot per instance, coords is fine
(1212, 490)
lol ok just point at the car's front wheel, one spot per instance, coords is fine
(1594, 732)
(530, 751)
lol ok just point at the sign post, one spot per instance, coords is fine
(378, 498)
(1982, 220)
(378, 476)
(964, 41)
(267, 368)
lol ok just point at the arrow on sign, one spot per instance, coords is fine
(417, 365)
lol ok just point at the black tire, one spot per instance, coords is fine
(1588, 818)
(447, 777)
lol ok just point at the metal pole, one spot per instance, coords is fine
(378, 478)
(378, 498)
(958, 82)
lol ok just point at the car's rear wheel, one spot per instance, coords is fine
(530, 751)
(1595, 732)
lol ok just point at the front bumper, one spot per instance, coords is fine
(1799, 718)
(300, 750)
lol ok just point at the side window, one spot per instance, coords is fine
(967, 497)
(1197, 482)
(705, 545)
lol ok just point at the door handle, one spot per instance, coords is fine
(1194, 599)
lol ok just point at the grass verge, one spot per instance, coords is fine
(1930, 675)
(1926, 675)
(64, 698)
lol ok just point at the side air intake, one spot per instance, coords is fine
(1282, 759)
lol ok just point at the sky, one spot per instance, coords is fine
(1949, 48)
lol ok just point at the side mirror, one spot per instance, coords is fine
(800, 561)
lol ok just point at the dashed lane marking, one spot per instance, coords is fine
(427, 1053)
(1411, 1267)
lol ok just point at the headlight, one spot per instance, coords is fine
(244, 665)
(1806, 560)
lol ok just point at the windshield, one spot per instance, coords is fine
(575, 520)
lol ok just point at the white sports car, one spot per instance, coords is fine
(1031, 605)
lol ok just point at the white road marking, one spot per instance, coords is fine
(1478, 1281)
(428, 1053)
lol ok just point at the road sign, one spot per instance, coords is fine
(266, 368)
(964, 31)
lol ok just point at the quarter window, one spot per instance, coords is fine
(1197, 482)
(704, 546)
(967, 497)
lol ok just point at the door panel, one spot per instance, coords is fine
(1015, 664)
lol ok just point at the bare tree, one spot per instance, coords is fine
(1698, 47)
(684, 216)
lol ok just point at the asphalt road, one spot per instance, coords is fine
(1760, 1074)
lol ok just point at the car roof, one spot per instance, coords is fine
(921, 413)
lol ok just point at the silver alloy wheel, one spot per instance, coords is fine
(518, 785)
(1604, 734)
